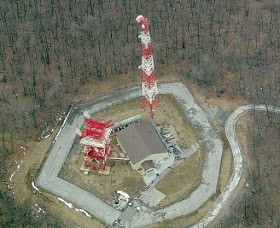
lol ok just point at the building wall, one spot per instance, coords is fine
(120, 145)
(151, 170)
(153, 157)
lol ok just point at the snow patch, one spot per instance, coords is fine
(67, 204)
(39, 209)
(83, 211)
(124, 194)
(11, 177)
(62, 125)
(34, 186)
(76, 209)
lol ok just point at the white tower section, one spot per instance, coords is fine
(150, 96)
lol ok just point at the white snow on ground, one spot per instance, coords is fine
(22, 147)
(19, 165)
(11, 177)
(76, 209)
(39, 209)
(63, 201)
(124, 194)
(34, 186)
(62, 125)
(83, 211)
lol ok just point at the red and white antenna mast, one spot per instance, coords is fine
(150, 97)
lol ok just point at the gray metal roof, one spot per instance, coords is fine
(140, 140)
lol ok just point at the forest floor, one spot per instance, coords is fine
(31, 159)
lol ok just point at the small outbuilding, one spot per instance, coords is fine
(143, 146)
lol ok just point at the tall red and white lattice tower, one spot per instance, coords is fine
(150, 97)
(96, 139)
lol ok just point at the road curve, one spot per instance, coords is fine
(238, 161)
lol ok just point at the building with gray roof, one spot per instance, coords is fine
(143, 146)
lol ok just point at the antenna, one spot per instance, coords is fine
(150, 96)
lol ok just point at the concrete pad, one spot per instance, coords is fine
(190, 150)
(152, 197)
(122, 155)
(149, 178)
(167, 163)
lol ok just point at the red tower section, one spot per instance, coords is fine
(96, 139)
(150, 97)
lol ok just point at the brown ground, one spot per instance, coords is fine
(225, 172)
(163, 115)
(36, 152)
(181, 180)
(202, 97)
(170, 113)
(206, 97)
(122, 176)
(23, 191)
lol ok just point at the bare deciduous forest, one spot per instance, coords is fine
(49, 50)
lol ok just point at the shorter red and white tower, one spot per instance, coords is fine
(96, 139)
(150, 97)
